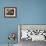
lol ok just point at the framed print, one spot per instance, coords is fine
(33, 32)
(10, 12)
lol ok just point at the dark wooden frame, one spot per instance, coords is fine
(10, 16)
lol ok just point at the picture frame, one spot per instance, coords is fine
(10, 12)
(37, 29)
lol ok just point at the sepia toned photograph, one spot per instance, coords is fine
(10, 12)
